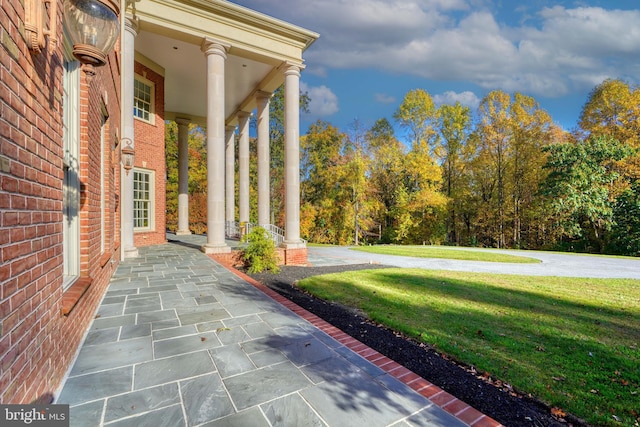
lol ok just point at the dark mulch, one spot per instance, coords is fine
(487, 395)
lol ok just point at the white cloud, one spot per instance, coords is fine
(323, 101)
(549, 51)
(465, 98)
(383, 98)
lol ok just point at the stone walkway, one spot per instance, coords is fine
(179, 340)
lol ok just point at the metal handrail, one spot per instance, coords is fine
(235, 229)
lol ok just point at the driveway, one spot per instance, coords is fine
(553, 264)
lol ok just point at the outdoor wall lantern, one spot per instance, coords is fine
(128, 154)
(93, 27)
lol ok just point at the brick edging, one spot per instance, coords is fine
(435, 394)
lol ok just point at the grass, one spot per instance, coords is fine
(444, 252)
(571, 342)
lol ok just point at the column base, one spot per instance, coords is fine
(216, 249)
(294, 245)
(130, 252)
(186, 232)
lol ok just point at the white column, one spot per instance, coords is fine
(264, 197)
(183, 177)
(230, 187)
(216, 57)
(129, 249)
(292, 156)
(243, 159)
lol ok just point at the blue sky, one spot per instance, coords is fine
(372, 52)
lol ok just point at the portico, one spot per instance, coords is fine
(221, 62)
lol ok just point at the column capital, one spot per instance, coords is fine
(214, 47)
(243, 115)
(292, 68)
(131, 24)
(263, 95)
(183, 122)
(230, 128)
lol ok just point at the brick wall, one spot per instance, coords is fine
(149, 146)
(38, 343)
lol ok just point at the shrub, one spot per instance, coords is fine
(260, 254)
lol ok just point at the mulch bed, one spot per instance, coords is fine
(487, 395)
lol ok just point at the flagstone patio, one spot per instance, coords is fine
(180, 340)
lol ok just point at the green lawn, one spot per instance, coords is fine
(445, 252)
(571, 342)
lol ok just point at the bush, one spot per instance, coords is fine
(260, 254)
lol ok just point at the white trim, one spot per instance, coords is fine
(103, 202)
(71, 179)
(150, 200)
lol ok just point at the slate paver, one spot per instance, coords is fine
(138, 402)
(172, 369)
(205, 399)
(291, 410)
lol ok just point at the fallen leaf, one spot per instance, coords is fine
(594, 391)
(203, 338)
(557, 412)
(222, 329)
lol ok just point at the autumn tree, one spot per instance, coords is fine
(530, 132)
(320, 184)
(454, 125)
(385, 176)
(495, 135)
(417, 114)
(197, 177)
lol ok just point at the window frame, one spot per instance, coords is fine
(150, 201)
(152, 93)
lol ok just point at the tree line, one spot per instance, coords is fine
(503, 176)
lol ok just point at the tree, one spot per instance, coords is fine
(417, 114)
(385, 175)
(579, 185)
(322, 191)
(454, 125)
(613, 109)
(495, 136)
(530, 132)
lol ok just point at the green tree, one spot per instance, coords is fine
(579, 185)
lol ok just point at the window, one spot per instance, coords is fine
(143, 98)
(71, 178)
(143, 200)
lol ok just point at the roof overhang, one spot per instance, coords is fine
(169, 40)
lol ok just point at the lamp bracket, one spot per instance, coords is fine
(40, 21)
